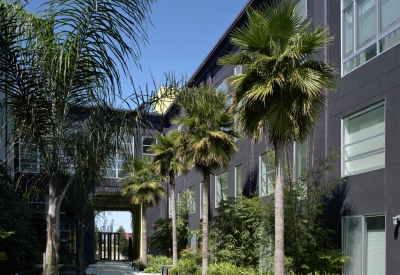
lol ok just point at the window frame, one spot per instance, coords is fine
(191, 205)
(113, 170)
(343, 145)
(363, 232)
(261, 185)
(236, 180)
(368, 46)
(219, 190)
(150, 156)
(23, 153)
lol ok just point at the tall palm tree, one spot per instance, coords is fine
(282, 90)
(207, 141)
(69, 56)
(167, 160)
(143, 185)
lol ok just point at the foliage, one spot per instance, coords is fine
(236, 231)
(207, 141)
(308, 243)
(143, 182)
(19, 247)
(186, 267)
(162, 237)
(155, 263)
(123, 242)
(192, 254)
(224, 268)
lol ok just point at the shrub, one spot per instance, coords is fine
(224, 268)
(186, 267)
(192, 254)
(155, 263)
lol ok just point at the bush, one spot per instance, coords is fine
(155, 263)
(186, 267)
(138, 263)
(224, 268)
(192, 254)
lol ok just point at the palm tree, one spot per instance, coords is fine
(68, 57)
(167, 161)
(282, 90)
(207, 142)
(143, 185)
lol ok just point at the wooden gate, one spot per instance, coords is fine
(109, 246)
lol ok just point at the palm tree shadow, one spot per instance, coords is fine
(250, 184)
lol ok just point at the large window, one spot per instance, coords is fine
(369, 27)
(191, 203)
(267, 175)
(364, 140)
(238, 181)
(147, 143)
(221, 187)
(364, 242)
(123, 153)
(28, 157)
(300, 158)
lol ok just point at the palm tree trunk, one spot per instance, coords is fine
(144, 235)
(50, 265)
(279, 217)
(173, 209)
(204, 246)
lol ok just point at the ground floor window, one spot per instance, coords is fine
(364, 242)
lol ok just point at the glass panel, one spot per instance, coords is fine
(239, 186)
(359, 59)
(364, 124)
(348, 31)
(149, 141)
(389, 40)
(364, 164)
(367, 146)
(223, 87)
(192, 200)
(389, 12)
(366, 21)
(221, 187)
(301, 158)
(352, 245)
(302, 6)
(375, 246)
(346, 3)
(267, 176)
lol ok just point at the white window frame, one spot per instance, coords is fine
(363, 231)
(261, 185)
(343, 145)
(150, 156)
(236, 180)
(23, 151)
(219, 191)
(191, 204)
(116, 164)
(373, 43)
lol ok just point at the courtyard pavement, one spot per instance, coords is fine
(113, 268)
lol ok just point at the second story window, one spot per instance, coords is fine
(191, 203)
(363, 140)
(369, 27)
(147, 142)
(267, 174)
(28, 157)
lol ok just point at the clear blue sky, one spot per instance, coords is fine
(182, 35)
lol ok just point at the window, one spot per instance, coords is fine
(169, 207)
(238, 181)
(302, 6)
(28, 157)
(39, 202)
(364, 140)
(221, 187)
(147, 142)
(238, 70)
(364, 241)
(267, 175)
(192, 241)
(223, 86)
(191, 204)
(369, 27)
(300, 158)
(123, 153)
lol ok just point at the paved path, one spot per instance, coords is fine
(113, 268)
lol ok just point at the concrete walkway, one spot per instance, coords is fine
(113, 268)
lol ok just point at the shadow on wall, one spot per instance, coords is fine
(250, 184)
(337, 207)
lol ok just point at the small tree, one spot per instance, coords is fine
(235, 231)
(123, 242)
(143, 185)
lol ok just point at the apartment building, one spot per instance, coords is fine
(362, 123)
